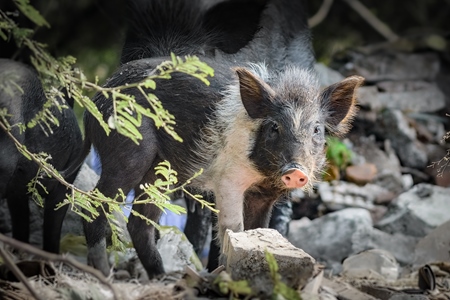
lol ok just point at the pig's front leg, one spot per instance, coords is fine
(230, 203)
(229, 192)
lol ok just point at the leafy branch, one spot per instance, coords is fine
(126, 118)
(157, 193)
(127, 115)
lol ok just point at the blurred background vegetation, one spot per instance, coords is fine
(93, 30)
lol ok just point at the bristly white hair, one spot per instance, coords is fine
(294, 82)
(261, 70)
(230, 129)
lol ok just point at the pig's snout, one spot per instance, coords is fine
(294, 178)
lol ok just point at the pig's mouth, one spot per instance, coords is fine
(293, 177)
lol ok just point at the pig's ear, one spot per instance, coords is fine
(339, 101)
(256, 95)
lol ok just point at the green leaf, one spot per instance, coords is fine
(175, 208)
(338, 153)
(228, 286)
(280, 290)
(31, 13)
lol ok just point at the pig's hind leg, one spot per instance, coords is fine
(143, 234)
(123, 166)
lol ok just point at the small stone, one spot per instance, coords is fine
(361, 174)
(386, 162)
(122, 275)
(395, 126)
(434, 247)
(245, 253)
(176, 251)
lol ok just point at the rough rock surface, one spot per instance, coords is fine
(245, 252)
(329, 239)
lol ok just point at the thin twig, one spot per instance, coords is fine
(59, 258)
(19, 275)
(320, 14)
(376, 23)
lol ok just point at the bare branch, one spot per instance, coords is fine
(370, 18)
(57, 258)
(320, 14)
(19, 275)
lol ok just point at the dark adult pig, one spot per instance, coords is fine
(252, 31)
(21, 94)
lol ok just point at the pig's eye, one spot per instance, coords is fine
(318, 136)
(317, 129)
(275, 127)
(274, 130)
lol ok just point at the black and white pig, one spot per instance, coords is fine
(250, 137)
(21, 94)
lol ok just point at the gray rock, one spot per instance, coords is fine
(399, 245)
(402, 86)
(387, 163)
(368, 97)
(426, 99)
(417, 211)
(329, 238)
(407, 96)
(393, 125)
(176, 251)
(341, 194)
(382, 66)
(372, 263)
(245, 252)
(403, 221)
(428, 202)
(434, 247)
